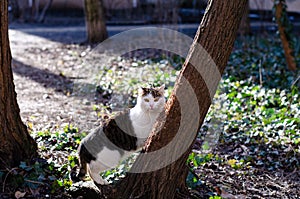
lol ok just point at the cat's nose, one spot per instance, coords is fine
(151, 106)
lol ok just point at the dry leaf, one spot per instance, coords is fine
(19, 194)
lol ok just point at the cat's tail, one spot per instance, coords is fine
(76, 177)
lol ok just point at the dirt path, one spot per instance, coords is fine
(54, 78)
(45, 75)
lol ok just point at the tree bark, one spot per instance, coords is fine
(95, 21)
(24, 11)
(245, 28)
(16, 143)
(41, 17)
(288, 51)
(198, 81)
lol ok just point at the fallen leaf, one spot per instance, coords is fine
(19, 194)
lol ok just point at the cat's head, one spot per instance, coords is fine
(151, 99)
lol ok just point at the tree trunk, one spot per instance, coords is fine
(16, 144)
(41, 17)
(245, 28)
(161, 171)
(25, 10)
(95, 21)
(281, 22)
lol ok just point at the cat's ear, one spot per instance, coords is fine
(161, 89)
(141, 91)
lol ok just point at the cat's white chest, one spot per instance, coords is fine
(142, 124)
(142, 132)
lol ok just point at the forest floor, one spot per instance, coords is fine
(57, 86)
(45, 72)
(48, 64)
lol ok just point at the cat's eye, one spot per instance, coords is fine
(156, 99)
(146, 100)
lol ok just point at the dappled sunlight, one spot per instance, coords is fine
(70, 93)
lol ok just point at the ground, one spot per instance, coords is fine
(45, 73)
(49, 66)
(55, 80)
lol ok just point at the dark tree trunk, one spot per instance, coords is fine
(166, 11)
(24, 10)
(16, 144)
(39, 17)
(198, 79)
(281, 20)
(95, 21)
(245, 28)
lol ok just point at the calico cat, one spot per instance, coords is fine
(119, 136)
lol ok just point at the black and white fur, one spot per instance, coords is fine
(120, 136)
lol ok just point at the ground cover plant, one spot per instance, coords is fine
(258, 106)
(248, 146)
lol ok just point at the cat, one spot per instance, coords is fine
(119, 136)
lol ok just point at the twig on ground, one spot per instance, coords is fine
(3, 187)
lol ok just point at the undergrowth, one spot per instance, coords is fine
(257, 111)
(256, 108)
